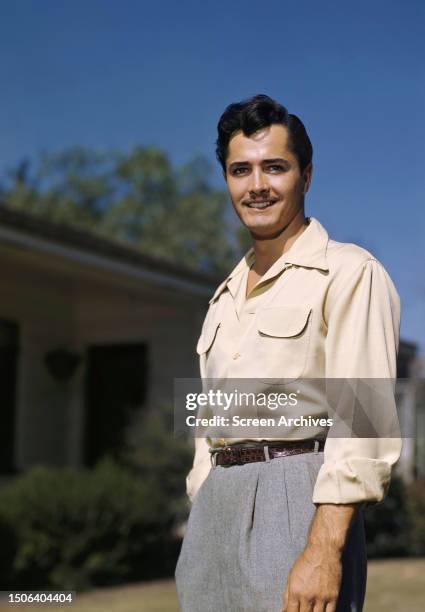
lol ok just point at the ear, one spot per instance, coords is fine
(307, 176)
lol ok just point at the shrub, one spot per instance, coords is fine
(416, 508)
(160, 458)
(79, 529)
(7, 553)
(396, 527)
(387, 524)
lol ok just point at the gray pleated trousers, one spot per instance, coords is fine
(247, 525)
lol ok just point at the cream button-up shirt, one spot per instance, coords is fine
(323, 310)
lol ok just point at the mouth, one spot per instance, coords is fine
(261, 205)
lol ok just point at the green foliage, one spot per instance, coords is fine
(396, 527)
(415, 500)
(73, 187)
(7, 554)
(387, 524)
(64, 528)
(138, 198)
(78, 529)
(158, 457)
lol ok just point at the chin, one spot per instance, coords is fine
(263, 231)
(265, 225)
(266, 229)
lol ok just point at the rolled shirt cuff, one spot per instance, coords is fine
(353, 480)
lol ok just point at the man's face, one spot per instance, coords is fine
(264, 180)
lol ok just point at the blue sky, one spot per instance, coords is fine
(113, 74)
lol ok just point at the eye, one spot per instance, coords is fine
(276, 168)
(238, 171)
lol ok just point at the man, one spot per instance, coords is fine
(276, 524)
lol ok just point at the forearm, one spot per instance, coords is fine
(330, 526)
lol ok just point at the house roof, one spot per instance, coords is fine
(21, 227)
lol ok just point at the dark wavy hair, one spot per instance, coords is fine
(258, 112)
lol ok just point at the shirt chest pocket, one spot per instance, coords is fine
(282, 342)
(207, 337)
(204, 345)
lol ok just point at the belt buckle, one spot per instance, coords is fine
(213, 458)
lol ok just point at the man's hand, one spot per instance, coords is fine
(314, 581)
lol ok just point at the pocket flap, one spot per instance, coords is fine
(207, 338)
(282, 321)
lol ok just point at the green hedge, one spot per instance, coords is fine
(8, 549)
(415, 502)
(75, 530)
(396, 526)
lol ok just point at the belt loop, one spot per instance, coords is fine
(316, 447)
(266, 453)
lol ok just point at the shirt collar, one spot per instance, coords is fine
(308, 251)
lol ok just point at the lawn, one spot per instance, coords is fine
(394, 585)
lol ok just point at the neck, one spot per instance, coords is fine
(268, 250)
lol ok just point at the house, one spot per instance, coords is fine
(90, 330)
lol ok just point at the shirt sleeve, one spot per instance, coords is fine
(363, 321)
(202, 459)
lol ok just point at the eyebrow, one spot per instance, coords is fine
(275, 160)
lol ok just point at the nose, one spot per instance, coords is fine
(258, 182)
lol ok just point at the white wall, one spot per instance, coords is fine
(43, 309)
(76, 310)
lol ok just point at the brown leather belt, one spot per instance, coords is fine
(238, 454)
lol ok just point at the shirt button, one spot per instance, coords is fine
(236, 356)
